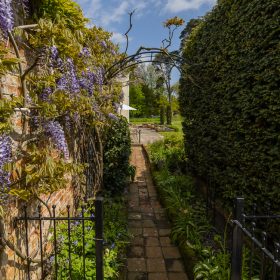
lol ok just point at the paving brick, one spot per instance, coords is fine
(134, 216)
(160, 217)
(151, 241)
(146, 210)
(148, 224)
(155, 265)
(157, 276)
(177, 276)
(171, 253)
(174, 265)
(151, 256)
(137, 241)
(137, 276)
(147, 216)
(164, 232)
(162, 224)
(136, 231)
(135, 224)
(153, 252)
(136, 264)
(159, 211)
(165, 241)
(136, 252)
(150, 232)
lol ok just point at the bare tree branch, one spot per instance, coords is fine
(130, 27)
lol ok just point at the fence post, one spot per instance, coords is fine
(139, 136)
(99, 237)
(237, 243)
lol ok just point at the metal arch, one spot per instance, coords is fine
(143, 55)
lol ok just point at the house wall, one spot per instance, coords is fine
(125, 90)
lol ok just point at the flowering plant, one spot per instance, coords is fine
(65, 97)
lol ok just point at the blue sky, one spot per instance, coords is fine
(147, 29)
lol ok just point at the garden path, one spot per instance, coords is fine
(151, 255)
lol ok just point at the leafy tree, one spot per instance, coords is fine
(143, 92)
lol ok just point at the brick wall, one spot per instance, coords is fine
(12, 267)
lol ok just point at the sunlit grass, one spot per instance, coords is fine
(176, 125)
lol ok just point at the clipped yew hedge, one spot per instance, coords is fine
(230, 99)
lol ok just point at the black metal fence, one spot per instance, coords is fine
(263, 253)
(54, 244)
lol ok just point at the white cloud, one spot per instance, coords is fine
(176, 6)
(90, 7)
(117, 11)
(115, 15)
(118, 38)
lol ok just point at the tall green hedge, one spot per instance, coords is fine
(230, 99)
(116, 156)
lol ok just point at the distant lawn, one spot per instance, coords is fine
(176, 124)
(144, 120)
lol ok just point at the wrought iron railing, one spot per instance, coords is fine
(96, 220)
(259, 244)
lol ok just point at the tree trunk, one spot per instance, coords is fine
(162, 115)
(168, 114)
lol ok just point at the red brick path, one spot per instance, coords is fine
(151, 256)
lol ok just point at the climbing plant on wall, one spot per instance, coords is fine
(65, 103)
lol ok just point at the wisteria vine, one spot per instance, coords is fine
(6, 16)
(77, 79)
(5, 157)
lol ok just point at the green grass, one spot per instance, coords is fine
(144, 120)
(176, 124)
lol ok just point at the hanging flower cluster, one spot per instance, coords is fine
(65, 92)
(56, 132)
(6, 16)
(69, 81)
(45, 95)
(87, 81)
(5, 157)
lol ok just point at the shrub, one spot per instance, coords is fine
(116, 157)
(116, 240)
(168, 153)
(229, 97)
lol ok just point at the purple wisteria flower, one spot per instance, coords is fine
(87, 81)
(116, 106)
(113, 117)
(69, 81)
(100, 77)
(55, 130)
(85, 52)
(6, 16)
(53, 56)
(5, 157)
(103, 44)
(45, 95)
